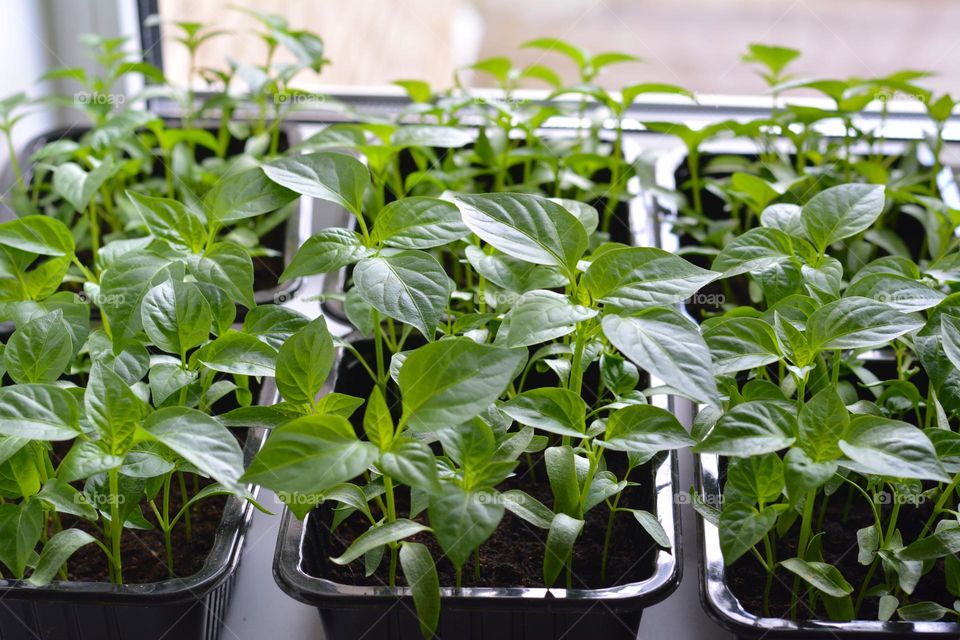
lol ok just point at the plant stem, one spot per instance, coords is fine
(184, 496)
(693, 164)
(378, 349)
(807, 516)
(391, 516)
(608, 534)
(116, 526)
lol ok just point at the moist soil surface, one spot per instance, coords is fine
(513, 555)
(747, 578)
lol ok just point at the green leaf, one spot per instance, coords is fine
(246, 194)
(56, 552)
(78, 187)
(40, 350)
(667, 345)
(944, 542)
(897, 292)
(802, 473)
(823, 421)
(420, 573)
(448, 382)
(431, 135)
(113, 408)
(824, 577)
(239, 354)
(42, 235)
(527, 227)
(409, 286)
(122, 287)
(39, 412)
(757, 479)
(755, 250)
(310, 455)
(412, 463)
(857, 323)
(635, 278)
(651, 524)
(740, 344)
(949, 338)
(326, 251)
(304, 361)
(564, 484)
(379, 536)
(512, 274)
(200, 440)
(925, 611)
(419, 223)
(885, 447)
(750, 429)
(377, 421)
(578, 55)
(841, 212)
(540, 316)
(785, 217)
(171, 220)
(331, 176)
(773, 57)
(741, 527)
(553, 410)
(561, 537)
(618, 374)
(20, 528)
(273, 324)
(644, 429)
(175, 316)
(463, 520)
(229, 267)
(528, 508)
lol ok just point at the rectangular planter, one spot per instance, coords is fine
(376, 612)
(191, 608)
(285, 239)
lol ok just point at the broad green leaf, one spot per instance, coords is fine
(635, 278)
(561, 537)
(304, 361)
(667, 345)
(944, 542)
(513, 274)
(409, 286)
(39, 412)
(645, 430)
(40, 350)
(754, 251)
(451, 381)
(430, 135)
(56, 552)
(553, 410)
(926, 611)
(824, 577)
(420, 573)
(902, 294)
(750, 429)
(246, 194)
(823, 421)
(885, 447)
(618, 374)
(166, 379)
(841, 212)
(331, 176)
(412, 463)
(802, 473)
(326, 251)
(77, 186)
(176, 317)
(240, 354)
(419, 223)
(527, 227)
(785, 217)
(171, 220)
(528, 508)
(540, 316)
(949, 338)
(741, 527)
(564, 484)
(273, 324)
(20, 527)
(651, 524)
(42, 235)
(379, 536)
(200, 440)
(856, 323)
(113, 408)
(227, 266)
(757, 479)
(377, 421)
(122, 287)
(463, 520)
(310, 455)
(740, 344)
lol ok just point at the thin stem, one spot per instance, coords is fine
(391, 516)
(116, 526)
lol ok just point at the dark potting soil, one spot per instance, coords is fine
(747, 578)
(143, 553)
(513, 556)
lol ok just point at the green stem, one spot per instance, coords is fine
(116, 526)
(806, 518)
(391, 516)
(185, 497)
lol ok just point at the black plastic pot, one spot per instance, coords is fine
(285, 239)
(191, 608)
(355, 612)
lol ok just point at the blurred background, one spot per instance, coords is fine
(692, 43)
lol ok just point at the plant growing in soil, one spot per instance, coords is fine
(500, 388)
(814, 428)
